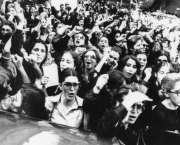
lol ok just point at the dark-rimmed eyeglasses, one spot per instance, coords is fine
(90, 56)
(176, 92)
(69, 85)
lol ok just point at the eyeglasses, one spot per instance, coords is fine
(176, 92)
(139, 107)
(90, 56)
(162, 60)
(69, 85)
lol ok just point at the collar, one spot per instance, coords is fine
(57, 98)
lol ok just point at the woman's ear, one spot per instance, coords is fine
(107, 88)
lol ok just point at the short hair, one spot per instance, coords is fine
(116, 79)
(169, 81)
(33, 102)
(124, 90)
(66, 73)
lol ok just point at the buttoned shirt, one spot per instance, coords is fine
(71, 115)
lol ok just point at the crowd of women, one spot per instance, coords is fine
(102, 67)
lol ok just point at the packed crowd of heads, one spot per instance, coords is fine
(61, 65)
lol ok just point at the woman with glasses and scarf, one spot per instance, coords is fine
(166, 115)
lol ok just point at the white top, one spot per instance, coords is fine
(70, 116)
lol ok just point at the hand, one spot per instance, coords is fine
(63, 29)
(44, 80)
(134, 97)
(102, 81)
(148, 73)
(76, 30)
(32, 59)
(17, 61)
(49, 105)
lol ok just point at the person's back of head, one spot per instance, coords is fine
(33, 102)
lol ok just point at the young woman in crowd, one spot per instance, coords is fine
(126, 46)
(67, 105)
(130, 67)
(167, 112)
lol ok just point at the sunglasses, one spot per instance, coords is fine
(69, 85)
(90, 56)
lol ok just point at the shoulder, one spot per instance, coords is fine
(79, 100)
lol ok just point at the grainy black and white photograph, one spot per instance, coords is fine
(90, 72)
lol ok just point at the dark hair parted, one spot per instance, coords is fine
(66, 73)
(31, 46)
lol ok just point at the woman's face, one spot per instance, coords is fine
(130, 68)
(33, 9)
(39, 50)
(136, 110)
(70, 43)
(79, 39)
(67, 61)
(103, 43)
(44, 23)
(60, 25)
(143, 60)
(113, 58)
(6, 29)
(108, 31)
(90, 60)
(138, 46)
(117, 37)
(70, 87)
(174, 94)
(162, 59)
(164, 70)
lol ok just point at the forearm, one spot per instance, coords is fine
(100, 64)
(24, 75)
